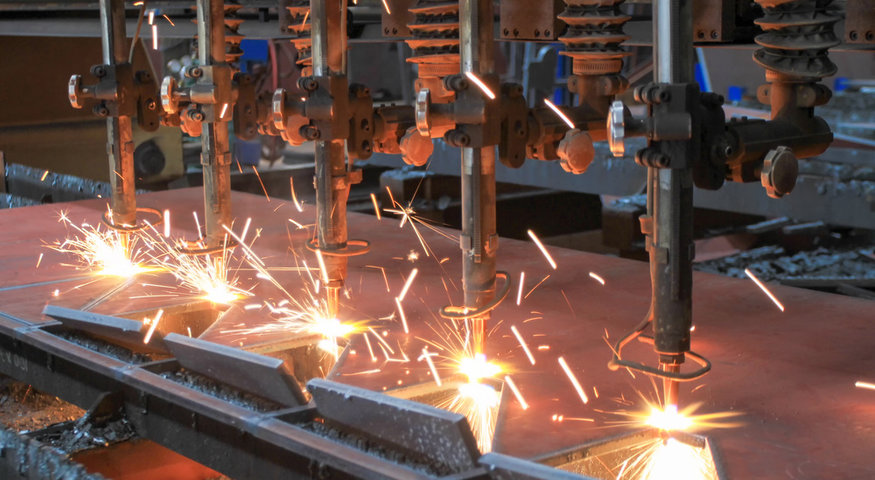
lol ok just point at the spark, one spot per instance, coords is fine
(245, 229)
(370, 349)
(560, 114)
(519, 293)
(322, 269)
(204, 274)
(39, 260)
(427, 357)
(543, 348)
(516, 392)
(672, 459)
(543, 249)
(597, 277)
(862, 384)
(168, 20)
(383, 271)
(305, 18)
(295, 197)
(668, 419)
(523, 344)
(153, 324)
(412, 256)
(224, 110)
(471, 76)
(43, 178)
(151, 16)
(376, 206)
(479, 403)
(573, 379)
(407, 285)
(155, 37)
(536, 286)
(764, 288)
(401, 313)
(104, 251)
(166, 223)
(386, 6)
(296, 224)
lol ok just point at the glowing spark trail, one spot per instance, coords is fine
(560, 114)
(43, 178)
(543, 249)
(386, 6)
(376, 206)
(516, 392)
(401, 313)
(224, 110)
(407, 285)
(295, 197)
(523, 343)
(166, 223)
(597, 277)
(39, 260)
(155, 36)
(573, 379)
(427, 357)
(152, 326)
(471, 76)
(102, 251)
(764, 288)
(861, 384)
(322, 268)
(169, 20)
(519, 293)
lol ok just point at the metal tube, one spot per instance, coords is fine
(670, 204)
(332, 188)
(479, 237)
(215, 155)
(119, 133)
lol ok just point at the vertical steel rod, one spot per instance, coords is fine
(120, 136)
(332, 188)
(215, 155)
(479, 238)
(670, 198)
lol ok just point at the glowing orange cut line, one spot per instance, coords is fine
(764, 289)
(560, 114)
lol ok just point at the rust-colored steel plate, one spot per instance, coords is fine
(790, 374)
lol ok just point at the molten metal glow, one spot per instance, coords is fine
(479, 403)
(486, 91)
(674, 460)
(669, 419)
(543, 249)
(764, 289)
(560, 114)
(102, 251)
(477, 368)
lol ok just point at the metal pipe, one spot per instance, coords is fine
(332, 187)
(215, 155)
(119, 132)
(479, 239)
(670, 204)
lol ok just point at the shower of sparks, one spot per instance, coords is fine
(43, 178)
(543, 249)
(519, 293)
(103, 251)
(386, 6)
(764, 289)
(519, 338)
(479, 403)
(407, 285)
(427, 357)
(376, 206)
(486, 91)
(408, 215)
(671, 459)
(476, 368)
(574, 381)
(862, 384)
(597, 277)
(166, 223)
(153, 324)
(669, 419)
(401, 314)
(516, 392)
(298, 206)
(560, 114)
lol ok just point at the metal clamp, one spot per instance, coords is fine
(449, 312)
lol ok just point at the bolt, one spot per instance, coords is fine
(247, 110)
(853, 35)
(308, 83)
(151, 104)
(196, 115)
(516, 32)
(195, 72)
(309, 132)
(100, 110)
(546, 33)
(394, 30)
(457, 138)
(714, 34)
(505, 32)
(700, 34)
(869, 35)
(537, 33)
(366, 146)
(98, 71)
